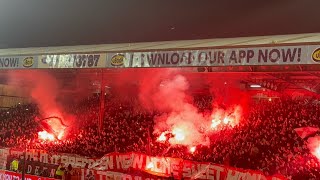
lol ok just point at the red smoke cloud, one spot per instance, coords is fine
(165, 90)
(44, 90)
(227, 92)
(222, 117)
(183, 119)
(180, 121)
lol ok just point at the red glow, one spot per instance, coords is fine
(317, 151)
(60, 135)
(183, 121)
(314, 146)
(214, 123)
(229, 117)
(45, 136)
(190, 132)
(225, 120)
(179, 134)
(192, 149)
(56, 125)
(162, 137)
(150, 165)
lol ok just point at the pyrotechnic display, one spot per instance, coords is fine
(44, 135)
(314, 146)
(183, 124)
(168, 123)
(44, 90)
(160, 90)
(54, 127)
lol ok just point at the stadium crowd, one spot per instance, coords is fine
(264, 140)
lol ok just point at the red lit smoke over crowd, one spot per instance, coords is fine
(158, 112)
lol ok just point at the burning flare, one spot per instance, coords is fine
(192, 149)
(314, 146)
(162, 137)
(183, 123)
(226, 120)
(45, 136)
(179, 134)
(54, 125)
(215, 123)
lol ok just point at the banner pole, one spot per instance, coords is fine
(149, 141)
(102, 102)
(24, 162)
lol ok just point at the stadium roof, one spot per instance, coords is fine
(280, 77)
(161, 45)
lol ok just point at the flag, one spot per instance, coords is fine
(306, 131)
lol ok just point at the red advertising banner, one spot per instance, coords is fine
(8, 175)
(141, 166)
(167, 167)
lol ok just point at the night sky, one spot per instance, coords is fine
(32, 23)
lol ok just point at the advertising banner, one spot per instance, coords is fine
(141, 165)
(281, 55)
(4, 153)
(8, 175)
(72, 61)
(168, 167)
(87, 174)
(36, 168)
(18, 62)
(208, 57)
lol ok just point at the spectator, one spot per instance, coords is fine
(264, 140)
(90, 176)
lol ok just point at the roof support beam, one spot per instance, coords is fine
(283, 78)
